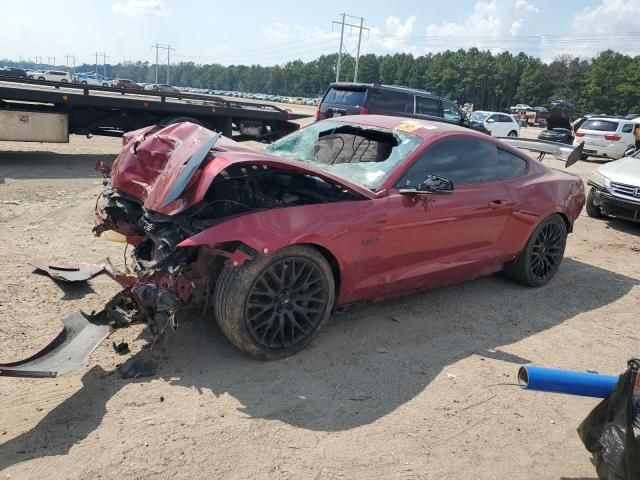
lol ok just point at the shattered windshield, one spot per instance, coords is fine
(359, 153)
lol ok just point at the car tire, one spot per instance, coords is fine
(592, 209)
(84, 82)
(64, 80)
(512, 133)
(540, 259)
(258, 305)
(105, 84)
(40, 78)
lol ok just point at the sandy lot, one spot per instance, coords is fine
(371, 397)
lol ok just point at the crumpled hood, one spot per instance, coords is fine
(626, 170)
(152, 159)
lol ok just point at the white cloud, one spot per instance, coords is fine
(526, 6)
(516, 26)
(396, 33)
(134, 8)
(487, 27)
(613, 18)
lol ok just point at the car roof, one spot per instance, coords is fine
(608, 119)
(425, 129)
(398, 88)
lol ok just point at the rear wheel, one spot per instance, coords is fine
(542, 255)
(274, 306)
(105, 84)
(592, 209)
(84, 82)
(512, 133)
(64, 80)
(40, 78)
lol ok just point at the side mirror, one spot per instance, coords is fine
(491, 120)
(431, 184)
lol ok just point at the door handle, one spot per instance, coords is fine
(498, 203)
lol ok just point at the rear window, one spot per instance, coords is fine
(600, 125)
(341, 96)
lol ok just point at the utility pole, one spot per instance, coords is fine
(72, 57)
(343, 48)
(169, 61)
(160, 46)
(96, 70)
(355, 70)
(104, 63)
(340, 50)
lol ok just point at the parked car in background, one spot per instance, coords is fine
(560, 135)
(498, 124)
(126, 84)
(615, 189)
(34, 73)
(363, 98)
(606, 137)
(161, 87)
(92, 79)
(55, 76)
(13, 72)
(521, 106)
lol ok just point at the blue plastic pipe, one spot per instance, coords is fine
(555, 380)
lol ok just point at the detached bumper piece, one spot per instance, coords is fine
(615, 207)
(80, 272)
(69, 351)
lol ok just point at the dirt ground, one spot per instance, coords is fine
(417, 388)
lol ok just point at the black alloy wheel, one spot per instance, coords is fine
(286, 302)
(547, 250)
(539, 260)
(273, 306)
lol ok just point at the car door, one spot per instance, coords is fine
(493, 125)
(430, 240)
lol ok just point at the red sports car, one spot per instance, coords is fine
(346, 210)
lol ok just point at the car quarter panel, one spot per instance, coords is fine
(347, 229)
(535, 196)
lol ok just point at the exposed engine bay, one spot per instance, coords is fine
(237, 190)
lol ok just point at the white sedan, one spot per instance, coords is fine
(499, 124)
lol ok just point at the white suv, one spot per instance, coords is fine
(54, 76)
(606, 137)
(498, 124)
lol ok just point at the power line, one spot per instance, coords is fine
(342, 46)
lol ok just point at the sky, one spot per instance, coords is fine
(276, 32)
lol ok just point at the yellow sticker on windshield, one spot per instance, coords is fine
(408, 127)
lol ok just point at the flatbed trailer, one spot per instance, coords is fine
(38, 111)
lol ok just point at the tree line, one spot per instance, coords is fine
(608, 83)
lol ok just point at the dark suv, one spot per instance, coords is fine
(365, 98)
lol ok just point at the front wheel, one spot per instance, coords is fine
(512, 133)
(40, 78)
(274, 306)
(105, 84)
(592, 209)
(64, 80)
(539, 260)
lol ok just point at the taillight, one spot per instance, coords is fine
(615, 138)
(364, 111)
(579, 134)
(318, 113)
